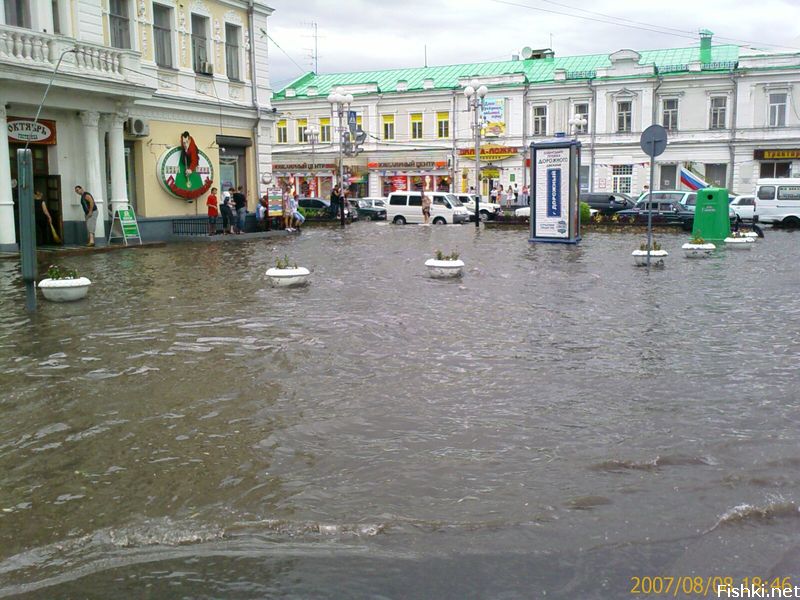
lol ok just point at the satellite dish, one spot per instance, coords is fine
(527, 52)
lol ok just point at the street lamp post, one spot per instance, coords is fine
(575, 122)
(475, 94)
(340, 105)
(312, 135)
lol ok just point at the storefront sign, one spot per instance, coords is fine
(408, 164)
(302, 166)
(490, 152)
(554, 211)
(776, 154)
(399, 183)
(275, 201)
(494, 117)
(185, 171)
(25, 130)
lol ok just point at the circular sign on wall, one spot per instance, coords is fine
(185, 171)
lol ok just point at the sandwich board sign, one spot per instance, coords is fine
(124, 225)
(555, 172)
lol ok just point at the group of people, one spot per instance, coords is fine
(510, 195)
(233, 209)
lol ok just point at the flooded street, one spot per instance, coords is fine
(553, 424)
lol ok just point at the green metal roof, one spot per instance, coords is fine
(540, 70)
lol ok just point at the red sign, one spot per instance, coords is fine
(399, 183)
(22, 130)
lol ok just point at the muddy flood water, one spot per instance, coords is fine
(555, 424)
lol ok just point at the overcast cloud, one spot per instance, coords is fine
(357, 35)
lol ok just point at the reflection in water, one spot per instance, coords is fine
(555, 415)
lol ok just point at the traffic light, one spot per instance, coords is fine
(360, 138)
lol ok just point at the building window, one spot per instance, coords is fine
(719, 106)
(777, 110)
(622, 178)
(283, 132)
(443, 125)
(302, 125)
(56, 17)
(388, 127)
(200, 44)
(232, 37)
(18, 13)
(325, 129)
(162, 35)
(539, 120)
(416, 126)
(582, 112)
(776, 169)
(624, 116)
(716, 175)
(670, 114)
(119, 24)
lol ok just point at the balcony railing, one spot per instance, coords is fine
(42, 50)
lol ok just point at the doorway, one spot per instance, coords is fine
(668, 177)
(48, 185)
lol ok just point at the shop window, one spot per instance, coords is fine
(200, 45)
(777, 110)
(416, 126)
(162, 35)
(622, 178)
(669, 114)
(388, 127)
(539, 120)
(719, 108)
(582, 112)
(776, 169)
(119, 24)
(715, 174)
(624, 117)
(18, 13)
(232, 36)
(442, 125)
(325, 129)
(283, 132)
(302, 125)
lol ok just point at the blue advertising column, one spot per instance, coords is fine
(555, 206)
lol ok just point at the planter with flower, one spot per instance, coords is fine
(64, 285)
(740, 240)
(698, 248)
(445, 265)
(286, 273)
(657, 255)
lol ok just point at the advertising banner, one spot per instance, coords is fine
(494, 117)
(554, 198)
(275, 201)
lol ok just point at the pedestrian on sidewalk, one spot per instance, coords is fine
(44, 221)
(240, 203)
(297, 216)
(286, 209)
(227, 212)
(89, 212)
(213, 211)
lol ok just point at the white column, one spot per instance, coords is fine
(116, 155)
(94, 182)
(8, 238)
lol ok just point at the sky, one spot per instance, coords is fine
(359, 35)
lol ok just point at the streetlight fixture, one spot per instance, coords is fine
(475, 93)
(577, 121)
(312, 136)
(340, 105)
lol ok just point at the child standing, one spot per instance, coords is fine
(213, 211)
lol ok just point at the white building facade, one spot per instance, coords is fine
(133, 76)
(732, 115)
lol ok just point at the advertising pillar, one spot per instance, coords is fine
(555, 214)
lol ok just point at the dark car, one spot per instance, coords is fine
(324, 206)
(608, 203)
(664, 212)
(367, 211)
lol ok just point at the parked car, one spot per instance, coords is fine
(778, 201)
(322, 204)
(607, 203)
(525, 212)
(664, 212)
(406, 207)
(367, 211)
(488, 209)
(375, 202)
(744, 207)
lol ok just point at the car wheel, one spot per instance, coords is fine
(399, 220)
(484, 216)
(367, 218)
(791, 222)
(439, 221)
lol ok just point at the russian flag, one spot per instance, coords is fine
(692, 181)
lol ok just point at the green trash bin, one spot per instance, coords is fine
(711, 214)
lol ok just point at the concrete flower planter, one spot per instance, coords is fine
(444, 268)
(64, 290)
(698, 250)
(288, 277)
(740, 243)
(656, 257)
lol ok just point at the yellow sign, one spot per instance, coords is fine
(490, 152)
(491, 173)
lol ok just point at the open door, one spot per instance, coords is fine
(53, 195)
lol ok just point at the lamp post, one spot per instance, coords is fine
(312, 135)
(340, 105)
(575, 122)
(475, 94)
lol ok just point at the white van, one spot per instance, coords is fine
(778, 201)
(406, 207)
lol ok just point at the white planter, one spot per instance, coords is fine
(698, 250)
(740, 243)
(656, 257)
(288, 277)
(65, 290)
(444, 268)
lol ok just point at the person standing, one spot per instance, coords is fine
(286, 209)
(89, 212)
(336, 199)
(43, 219)
(227, 212)
(426, 208)
(298, 217)
(240, 202)
(213, 211)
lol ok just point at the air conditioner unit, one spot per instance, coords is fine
(207, 68)
(138, 127)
